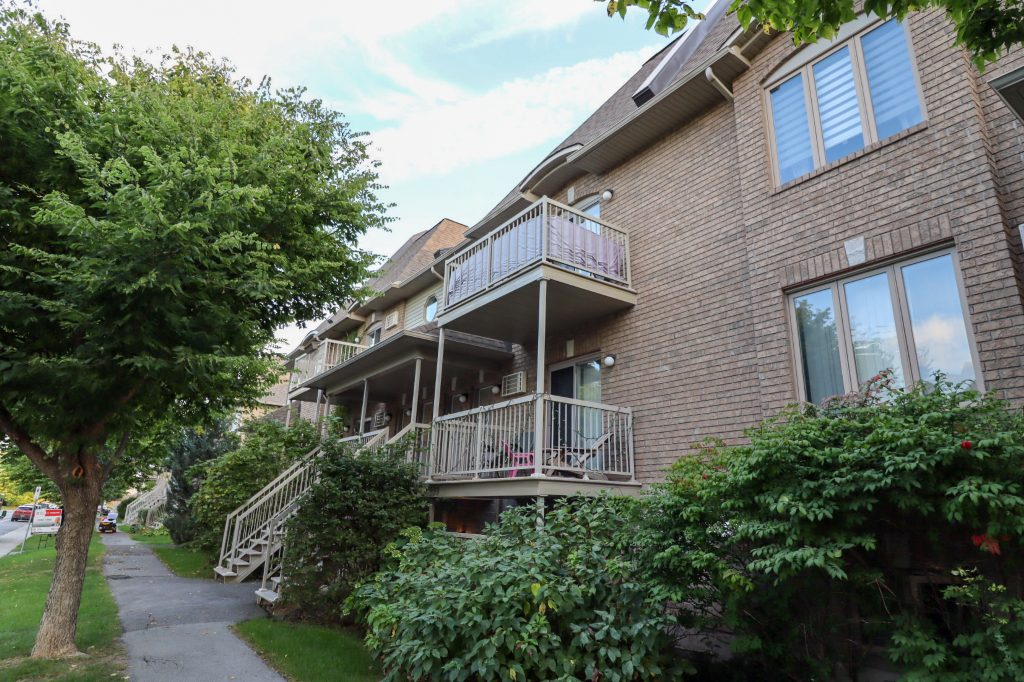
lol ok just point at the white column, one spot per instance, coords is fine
(287, 413)
(317, 416)
(416, 391)
(538, 419)
(327, 413)
(437, 378)
(366, 397)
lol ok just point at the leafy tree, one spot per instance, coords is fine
(159, 222)
(357, 506)
(231, 479)
(195, 446)
(836, 529)
(986, 28)
(563, 600)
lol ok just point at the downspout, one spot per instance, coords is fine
(718, 85)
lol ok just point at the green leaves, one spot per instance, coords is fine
(565, 601)
(847, 504)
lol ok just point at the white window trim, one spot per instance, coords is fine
(804, 64)
(908, 352)
(426, 304)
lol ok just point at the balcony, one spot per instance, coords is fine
(327, 355)
(578, 444)
(491, 287)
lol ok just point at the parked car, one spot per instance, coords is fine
(23, 513)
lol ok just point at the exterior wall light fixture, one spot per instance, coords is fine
(495, 389)
(609, 361)
(463, 397)
(607, 195)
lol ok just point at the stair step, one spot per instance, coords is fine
(266, 595)
(224, 572)
(239, 562)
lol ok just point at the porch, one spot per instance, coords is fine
(328, 354)
(534, 436)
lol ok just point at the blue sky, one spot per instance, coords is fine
(459, 98)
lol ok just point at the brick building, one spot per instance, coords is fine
(743, 225)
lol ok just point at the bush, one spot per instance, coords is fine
(358, 505)
(232, 478)
(837, 528)
(122, 506)
(563, 601)
(192, 447)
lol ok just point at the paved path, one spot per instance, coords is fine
(176, 629)
(10, 540)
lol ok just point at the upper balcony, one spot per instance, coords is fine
(328, 354)
(491, 286)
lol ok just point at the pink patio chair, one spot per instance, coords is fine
(518, 459)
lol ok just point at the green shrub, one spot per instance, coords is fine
(193, 446)
(562, 601)
(835, 530)
(122, 506)
(231, 479)
(358, 505)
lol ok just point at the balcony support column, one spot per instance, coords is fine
(538, 418)
(437, 377)
(416, 391)
(287, 413)
(366, 398)
(327, 413)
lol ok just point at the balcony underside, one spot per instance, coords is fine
(509, 311)
(390, 367)
(529, 486)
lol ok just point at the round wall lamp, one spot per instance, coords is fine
(408, 413)
(463, 397)
(495, 389)
(607, 195)
(609, 361)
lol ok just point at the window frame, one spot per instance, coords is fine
(861, 88)
(901, 314)
(426, 307)
(376, 329)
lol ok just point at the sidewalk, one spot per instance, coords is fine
(10, 541)
(176, 629)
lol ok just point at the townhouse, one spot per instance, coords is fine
(744, 224)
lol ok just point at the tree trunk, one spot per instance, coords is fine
(56, 638)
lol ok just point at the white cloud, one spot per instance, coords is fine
(520, 114)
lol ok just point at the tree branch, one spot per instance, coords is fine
(117, 454)
(35, 453)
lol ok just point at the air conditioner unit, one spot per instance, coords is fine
(391, 320)
(512, 384)
(379, 420)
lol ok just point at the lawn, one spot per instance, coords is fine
(309, 653)
(188, 563)
(161, 538)
(24, 583)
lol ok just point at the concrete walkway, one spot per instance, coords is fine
(176, 629)
(10, 541)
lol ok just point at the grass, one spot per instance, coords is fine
(161, 538)
(310, 653)
(187, 563)
(24, 584)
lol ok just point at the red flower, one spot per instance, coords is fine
(705, 477)
(985, 542)
(966, 445)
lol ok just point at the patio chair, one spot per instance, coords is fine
(518, 459)
(577, 457)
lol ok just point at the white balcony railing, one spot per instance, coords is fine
(576, 438)
(547, 232)
(327, 354)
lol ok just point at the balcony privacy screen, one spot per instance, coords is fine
(568, 242)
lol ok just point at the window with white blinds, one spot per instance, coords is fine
(862, 91)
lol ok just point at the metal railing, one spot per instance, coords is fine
(151, 499)
(328, 354)
(535, 435)
(548, 232)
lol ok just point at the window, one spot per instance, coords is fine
(430, 310)
(373, 336)
(859, 92)
(907, 318)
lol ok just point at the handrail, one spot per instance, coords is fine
(145, 500)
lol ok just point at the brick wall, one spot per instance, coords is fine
(716, 246)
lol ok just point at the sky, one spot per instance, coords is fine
(459, 99)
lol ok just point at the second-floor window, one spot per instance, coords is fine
(859, 92)
(373, 336)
